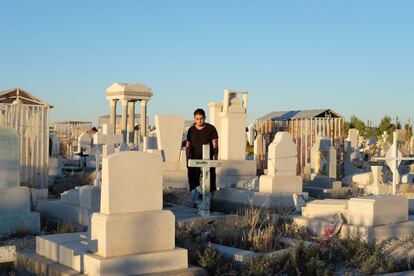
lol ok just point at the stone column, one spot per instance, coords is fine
(124, 120)
(143, 118)
(131, 122)
(112, 115)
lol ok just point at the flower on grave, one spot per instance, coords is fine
(329, 230)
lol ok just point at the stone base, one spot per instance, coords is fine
(321, 181)
(15, 199)
(326, 208)
(369, 234)
(335, 191)
(71, 196)
(379, 189)
(359, 179)
(132, 233)
(12, 221)
(58, 210)
(254, 198)
(38, 194)
(175, 179)
(30, 263)
(154, 262)
(71, 251)
(232, 171)
(66, 249)
(377, 210)
(280, 185)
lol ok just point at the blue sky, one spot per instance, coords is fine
(356, 57)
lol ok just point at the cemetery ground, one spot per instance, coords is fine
(259, 241)
(252, 241)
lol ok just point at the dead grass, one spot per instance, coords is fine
(65, 227)
(256, 231)
(62, 184)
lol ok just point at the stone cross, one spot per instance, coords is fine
(205, 164)
(106, 139)
(393, 159)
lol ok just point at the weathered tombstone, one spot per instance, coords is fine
(378, 187)
(54, 145)
(229, 117)
(14, 200)
(9, 161)
(323, 159)
(169, 136)
(282, 162)
(352, 156)
(55, 168)
(353, 137)
(259, 146)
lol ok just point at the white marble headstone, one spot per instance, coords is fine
(353, 137)
(170, 131)
(131, 182)
(282, 155)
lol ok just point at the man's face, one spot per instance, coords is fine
(199, 120)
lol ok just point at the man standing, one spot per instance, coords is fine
(199, 134)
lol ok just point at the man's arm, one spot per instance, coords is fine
(187, 150)
(215, 149)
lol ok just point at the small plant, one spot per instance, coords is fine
(65, 227)
(208, 258)
(17, 233)
(259, 266)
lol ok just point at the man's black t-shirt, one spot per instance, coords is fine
(200, 137)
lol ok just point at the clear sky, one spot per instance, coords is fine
(356, 57)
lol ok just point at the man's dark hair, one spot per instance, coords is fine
(199, 111)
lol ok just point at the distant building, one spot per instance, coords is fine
(104, 119)
(29, 117)
(304, 126)
(68, 133)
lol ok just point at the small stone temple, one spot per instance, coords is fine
(305, 126)
(29, 117)
(106, 119)
(128, 94)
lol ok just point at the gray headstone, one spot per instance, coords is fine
(9, 158)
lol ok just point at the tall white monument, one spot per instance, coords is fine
(229, 117)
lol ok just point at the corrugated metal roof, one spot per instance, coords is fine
(297, 114)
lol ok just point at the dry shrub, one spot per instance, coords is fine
(65, 227)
